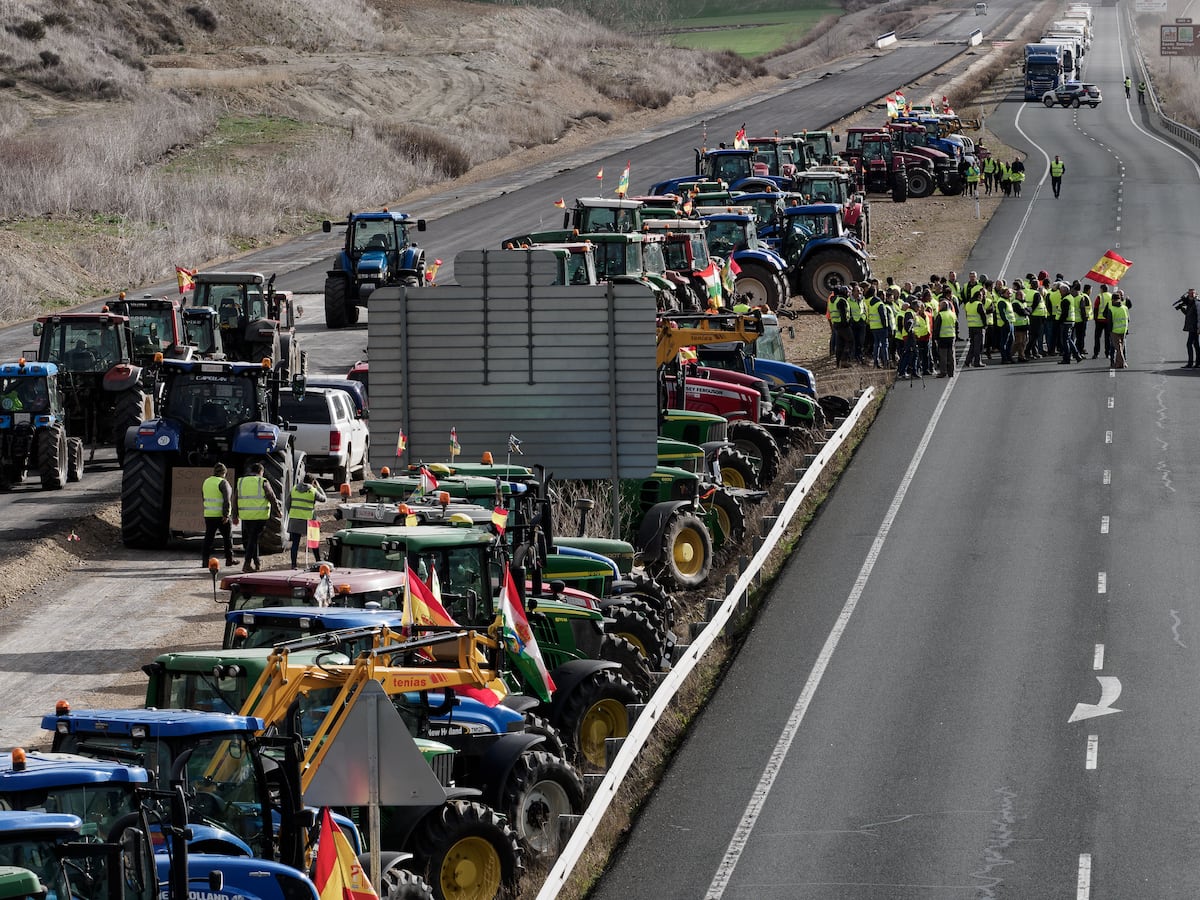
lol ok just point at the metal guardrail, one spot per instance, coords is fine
(735, 601)
(1178, 129)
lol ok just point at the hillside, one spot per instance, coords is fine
(140, 134)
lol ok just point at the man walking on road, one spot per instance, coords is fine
(218, 508)
(256, 503)
(1142, 92)
(1056, 173)
(1128, 85)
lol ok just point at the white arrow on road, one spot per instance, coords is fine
(1110, 690)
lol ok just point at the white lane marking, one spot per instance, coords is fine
(1104, 524)
(1112, 373)
(1111, 401)
(1093, 750)
(1110, 692)
(1083, 884)
(1098, 657)
(758, 799)
(1108, 476)
(1101, 583)
(1108, 437)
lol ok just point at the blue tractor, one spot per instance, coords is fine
(33, 428)
(760, 277)
(818, 251)
(379, 252)
(210, 412)
(736, 169)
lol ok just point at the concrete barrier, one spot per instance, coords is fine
(975, 38)
(885, 40)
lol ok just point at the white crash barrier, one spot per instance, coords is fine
(885, 40)
(975, 38)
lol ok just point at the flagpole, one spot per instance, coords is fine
(373, 788)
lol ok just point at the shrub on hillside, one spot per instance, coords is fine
(415, 143)
(204, 17)
(29, 30)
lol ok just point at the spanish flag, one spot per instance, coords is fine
(339, 875)
(186, 278)
(1109, 270)
(560, 203)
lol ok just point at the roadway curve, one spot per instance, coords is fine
(1004, 547)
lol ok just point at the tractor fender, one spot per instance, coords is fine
(403, 819)
(768, 258)
(498, 761)
(207, 839)
(154, 436)
(652, 526)
(258, 439)
(412, 262)
(570, 675)
(522, 703)
(122, 377)
(388, 859)
(341, 265)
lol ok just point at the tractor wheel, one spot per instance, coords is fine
(634, 665)
(552, 741)
(759, 284)
(900, 188)
(341, 474)
(466, 852)
(541, 788)
(401, 884)
(8, 477)
(825, 270)
(336, 290)
(52, 457)
(637, 606)
(730, 517)
(685, 555)
(75, 462)
(737, 469)
(757, 443)
(129, 413)
(596, 710)
(1048, 100)
(145, 501)
(277, 469)
(648, 591)
(920, 183)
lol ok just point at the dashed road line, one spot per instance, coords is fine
(1098, 657)
(1104, 524)
(1093, 752)
(1108, 437)
(1108, 476)
(1101, 582)
(1083, 883)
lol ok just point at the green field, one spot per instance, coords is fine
(749, 29)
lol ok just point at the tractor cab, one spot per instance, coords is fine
(255, 320)
(155, 325)
(29, 388)
(84, 342)
(203, 332)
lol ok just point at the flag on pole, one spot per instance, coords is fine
(739, 139)
(338, 874)
(1109, 269)
(421, 605)
(186, 278)
(514, 445)
(431, 272)
(314, 534)
(900, 101)
(500, 519)
(455, 447)
(401, 442)
(561, 203)
(428, 482)
(323, 593)
(520, 642)
(600, 175)
(892, 109)
(729, 273)
(623, 181)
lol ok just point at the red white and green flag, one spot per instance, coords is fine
(428, 482)
(623, 181)
(739, 139)
(455, 447)
(520, 642)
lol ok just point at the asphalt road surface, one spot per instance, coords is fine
(976, 676)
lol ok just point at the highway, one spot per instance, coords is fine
(974, 678)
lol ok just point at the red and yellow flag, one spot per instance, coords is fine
(338, 874)
(186, 278)
(500, 518)
(1110, 268)
(421, 606)
(401, 442)
(560, 203)
(314, 534)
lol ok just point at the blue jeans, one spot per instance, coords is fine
(1066, 340)
(908, 358)
(880, 355)
(1006, 342)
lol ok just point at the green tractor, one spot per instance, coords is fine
(33, 428)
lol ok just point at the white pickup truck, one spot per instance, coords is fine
(334, 438)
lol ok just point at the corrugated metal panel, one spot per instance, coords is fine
(493, 359)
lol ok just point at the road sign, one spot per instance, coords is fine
(1177, 40)
(1150, 6)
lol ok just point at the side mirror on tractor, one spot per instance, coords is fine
(326, 226)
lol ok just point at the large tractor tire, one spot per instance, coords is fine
(648, 591)
(595, 711)
(634, 665)
(731, 519)
(401, 884)
(757, 443)
(900, 187)
(541, 789)
(685, 555)
(129, 412)
(52, 457)
(466, 852)
(825, 270)
(340, 310)
(737, 469)
(552, 739)
(75, 463)
(277, 470)
(921, 183)
(145, 501)
(760, 286)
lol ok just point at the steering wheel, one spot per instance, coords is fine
(208, 805)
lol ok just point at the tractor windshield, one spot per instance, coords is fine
(153, 329)
(98, 805)
(375, 234)
(615, 259)
(726, 236)
(89, 345)
(40, 857)
(212, 403)
(652, 258)
(24, 394)
(814, 225)
(731, 168)
(823, 190)
(233, 302)
(577, 269)
(621, 220)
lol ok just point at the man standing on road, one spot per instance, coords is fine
(302, 504)
(1128, 85)
(1119, 315)
(1141, 93)
(944, 327)
(1056, 173)
(1187, 304)
(1068, 307)
(1083, 314)
(256, 503)
(218, 508)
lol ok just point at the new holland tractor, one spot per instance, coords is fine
(379, 252)
(211, 412)
(33, 428)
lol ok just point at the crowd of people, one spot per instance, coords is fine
(914, 327)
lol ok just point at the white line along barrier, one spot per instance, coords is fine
(642, 728)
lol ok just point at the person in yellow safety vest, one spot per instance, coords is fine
(989, 174)
(972, 180)
(991, 340)
(896, 302)
(302, 504)
(1053, 302)
(839, 315)
(1068, 308)
(256, 506)
(858, 322)
(1083, 315)
(1128, 84)
(944, 325)
(1020, 320)
(974, 311)
(909, 320)
(1103, 325)
(879, 313)
(218, 510)
(1004, 324)
(1141, 102)
(1119, 314)
(1035, 304)
(1017, 176)
(924, 333)
(1057, 168)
